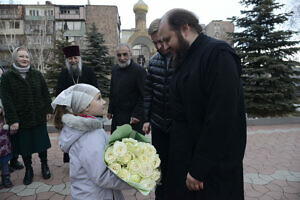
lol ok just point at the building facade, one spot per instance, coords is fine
(37, 27)
(219, 29)
(11, 29)
(141, 44)
(109, 22)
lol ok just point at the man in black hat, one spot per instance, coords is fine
(74, 73)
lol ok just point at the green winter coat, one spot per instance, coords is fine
(26, 101)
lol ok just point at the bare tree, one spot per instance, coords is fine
(11, 39)
(39, 42)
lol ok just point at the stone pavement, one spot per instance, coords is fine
(271, 169)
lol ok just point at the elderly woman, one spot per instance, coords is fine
(27, 104)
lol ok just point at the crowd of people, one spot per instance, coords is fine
(189, 97)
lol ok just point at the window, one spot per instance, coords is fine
(17, 25)
(14, 24)
(33, 12)
(48, 12)
(34, 27)
(77, 25)
(3, 12)
(58, 25)
(2, 24)
(48, 39)
(64, 11)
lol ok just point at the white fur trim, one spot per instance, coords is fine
(81, 123)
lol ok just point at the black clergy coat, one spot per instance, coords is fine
(208, 135)
(127, 95)
(65, 80)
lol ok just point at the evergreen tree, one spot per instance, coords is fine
(57, 63)
(267, 58)
(96, 56)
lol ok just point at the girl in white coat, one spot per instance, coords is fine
(83, 137)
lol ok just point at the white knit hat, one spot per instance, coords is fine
(76, 98)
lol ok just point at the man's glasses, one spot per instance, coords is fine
(122, 54)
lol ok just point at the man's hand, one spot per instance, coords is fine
(134, 120)
(147, 128)
(109, 115)
(193, 184)
(48, 117)
(14, 127)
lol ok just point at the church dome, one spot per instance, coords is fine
(140, 6)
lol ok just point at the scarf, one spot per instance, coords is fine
(22, 70)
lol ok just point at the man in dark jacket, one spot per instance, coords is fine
(156, 101)
(126, 91)
(208, 136)
(74, 73)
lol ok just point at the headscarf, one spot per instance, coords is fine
(21, 70)
(76, 98)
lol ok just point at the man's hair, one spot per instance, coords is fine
(154, 26)
(177, 18)
(122, 45)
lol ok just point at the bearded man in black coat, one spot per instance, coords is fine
(208, 136)
(126, 91)
(74, 73)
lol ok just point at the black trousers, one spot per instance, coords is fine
(160, 140)
(28, 159)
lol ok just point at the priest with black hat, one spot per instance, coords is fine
(74, 73)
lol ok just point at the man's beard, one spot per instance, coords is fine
(74, 70)
(123, 65)
(180, 52)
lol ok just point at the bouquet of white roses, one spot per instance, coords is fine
(132, 158)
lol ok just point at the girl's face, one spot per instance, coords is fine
(23, 58)
(96, 107)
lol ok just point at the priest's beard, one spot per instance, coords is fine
(125, 64)
(180, 52)
(74, 70)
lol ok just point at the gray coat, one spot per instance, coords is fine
(85, 141)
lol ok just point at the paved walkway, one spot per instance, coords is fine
(271, 169)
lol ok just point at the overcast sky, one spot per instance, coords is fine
(206, 11)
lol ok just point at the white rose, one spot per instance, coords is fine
(147, 183)
(119, 149)
(146, 170)
(135, 178)
(115, 167)
(109, 155)
(134, 166)
(155, 161)
(126, 158)
(124, 174)
(155, 175)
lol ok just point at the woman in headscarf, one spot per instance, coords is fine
(27, 105)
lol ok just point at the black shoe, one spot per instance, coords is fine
(28, 176)
(15, 164)
(66, 158)
(45, 171)
(6, 181)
